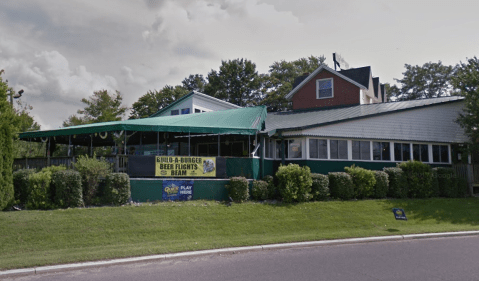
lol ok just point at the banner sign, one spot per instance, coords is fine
(399, 214)
(185, 166)
(178, 190)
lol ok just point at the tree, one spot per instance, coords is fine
(427, 81)
(194, 83)
(7, 125)
(100, 107)
(26, 123)
(237, 82)
(279, 82)
(153, 101)
(466, 82)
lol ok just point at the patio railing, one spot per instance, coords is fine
(118, 163)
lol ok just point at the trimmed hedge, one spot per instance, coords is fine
(363, 180)
(67, 184)
(39, 191)
(117, 190)
(397, 182)
(381, 187)
(434, 183)
(447, 182)
(320, 187)
(238, 189)
(21, 184)
(91, 170)
(273, 192)
(419, 179)
(259, 190)
(294, 183)
(341, 185)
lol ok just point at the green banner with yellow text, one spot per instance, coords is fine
(185, 166)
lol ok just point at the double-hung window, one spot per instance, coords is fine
(361, 150)
(420, 152)
(269, 148)
(338, 149)
(318, 149)
(294, 148)
(324, 88)
(402, 151)
(440, 153)
(381, 151)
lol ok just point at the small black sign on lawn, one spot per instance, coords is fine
(399, 214)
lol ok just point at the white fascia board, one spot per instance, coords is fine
(215, 100)
(319, 69)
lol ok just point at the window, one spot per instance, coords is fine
(278, 149)
(197, 110)
(440, 153)
(420, 152)
(185, 111)
(318, 149)
(338, 149)
(295, 149)
(402, 152)
(381, 151)
(268, 148)
(175, 112)
(361, 150)
(324, 88)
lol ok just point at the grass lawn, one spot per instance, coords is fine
(34, 238)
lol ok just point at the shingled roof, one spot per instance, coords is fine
(360, 75)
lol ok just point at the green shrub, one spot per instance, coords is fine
(117, 189)
(21, 184)
(7, 193)
(434, 183)
(341, 185)
(67, 184)
(259, 191)
(447, 182)
(363, 180)
(320, 187)
(397, 182)
(91, 170)
(39, 191)
(273, 192)
(51, 169)
(238, 189)
(381, 187)
(294, 183)
(419, 179)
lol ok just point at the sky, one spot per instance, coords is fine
(60, 51)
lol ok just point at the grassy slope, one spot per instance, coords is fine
(33, 238)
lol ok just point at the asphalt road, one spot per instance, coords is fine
(454, 258)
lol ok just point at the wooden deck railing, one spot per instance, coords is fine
(118, 163)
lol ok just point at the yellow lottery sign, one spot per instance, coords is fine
(185, 166)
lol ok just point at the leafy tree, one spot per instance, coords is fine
(7, 124)
(25, 123)
(100, 107)
(466, 82)
(279, 82)
(237, 82)
(153, 101)
(194, 83)
(427, 81)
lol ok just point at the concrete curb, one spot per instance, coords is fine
(235, 250)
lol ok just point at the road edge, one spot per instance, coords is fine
(232, 250)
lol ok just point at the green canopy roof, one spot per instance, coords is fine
(242, 121)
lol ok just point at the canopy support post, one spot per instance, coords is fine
(141, 142)
(218, 145)
(125, 142)
(189, 144)
(69, 145)
(91, 145)
(48, 152)
(158, 143)
(249, 146)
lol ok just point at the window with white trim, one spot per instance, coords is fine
(440, 154)
(318, 149)
(324, 88)
(269, 148)
(381, 151)
(338, 149)
(361, 150)
(175, 112)
(420, 152)
(185, 111)
(295, 148)
(402, 151)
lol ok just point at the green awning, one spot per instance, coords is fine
(242, 121)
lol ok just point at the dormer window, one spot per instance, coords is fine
(324, 88)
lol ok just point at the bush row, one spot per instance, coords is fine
(411, 179)
(55, 186)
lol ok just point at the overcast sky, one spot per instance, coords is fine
(62, 51)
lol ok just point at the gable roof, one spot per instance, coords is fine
(314, 73)
(241, 121)
(383, 92)
(376, 86)
(185, 97)
(298, 120)
(360, 75)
